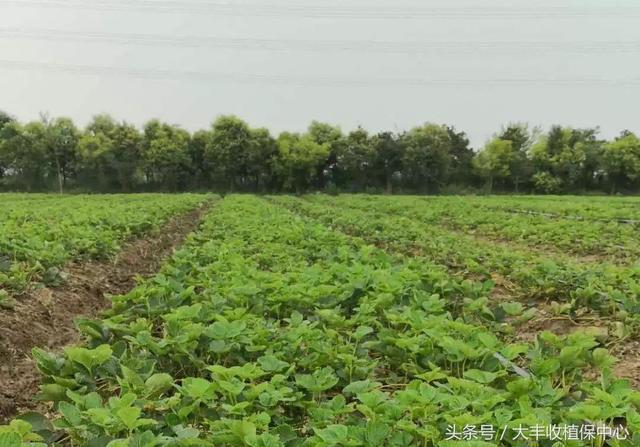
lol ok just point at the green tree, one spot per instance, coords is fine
(297, 162)
(427, 157)
(387, 160)
(357, 159)
(621, 161)
(522, 139)
(261, 153)
(546, 183)
(165, 155)
(5, 118)
(24, 154)
(332, 136)
(109, 154)
(227, 151)
(61, 142)
(494, 161)
(571, 156)
(95, 160)
(197, 153)
(461, 169)
(127, 147)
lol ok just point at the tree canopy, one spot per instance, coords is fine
(109, 155)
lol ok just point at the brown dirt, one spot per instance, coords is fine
(45, 317)
(627, 352)
(628, 365)
(544, 321)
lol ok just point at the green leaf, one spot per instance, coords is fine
(362, 331)
(196, 387)
(38, 422)
(157, 384)
(10, 439)
(544, 367)
(585, 412)
(185, 433)
(264, 440)
(89, 358)
(360, 386)
(513, 308)
(243, 429)
(321, 380)
(602, 359)
(372, 398)
(271, 363)
(483, 377)
(376, 433)
(333, 434)
(47, 362)
(70, 413)
(52, 392)
(129, 416)
(219, 346)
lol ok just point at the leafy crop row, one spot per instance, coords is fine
(269, 329)
(606, 238)
(606, 289)
(595, 208)
(39, 233)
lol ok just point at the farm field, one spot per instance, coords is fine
(39, 232)
(349, 320)
(522, 261)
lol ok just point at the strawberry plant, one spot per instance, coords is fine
(601, 288)
(268, 328)
(39, 233)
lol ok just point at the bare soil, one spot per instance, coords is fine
(628, 365)
(627, 352)
(45, 317)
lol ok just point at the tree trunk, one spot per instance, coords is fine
(389, 186)
(60, 182)
(124, 183)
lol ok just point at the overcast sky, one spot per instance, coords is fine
(390, 64)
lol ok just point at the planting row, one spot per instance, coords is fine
(577, 288)
(270, 329)
(597, 208)
(39, 233)
(607, 240)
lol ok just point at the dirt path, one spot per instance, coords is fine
(45, 317)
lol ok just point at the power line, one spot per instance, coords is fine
(377, 46)
(314, 11)
(301, 80)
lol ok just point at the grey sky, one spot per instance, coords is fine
(180, 66)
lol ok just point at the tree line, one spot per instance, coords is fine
(115, 156)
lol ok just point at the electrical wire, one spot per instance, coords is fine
(338, 12)
(374, 46)
(304, 80)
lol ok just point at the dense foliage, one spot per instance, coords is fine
(570, 267)
(39, 232)
(231, 156)
(269, 328)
